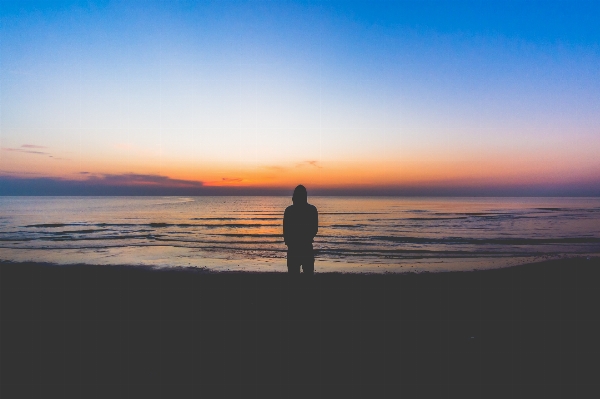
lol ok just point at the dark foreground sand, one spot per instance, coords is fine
(125, 332)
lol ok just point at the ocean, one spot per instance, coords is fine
(356, 234)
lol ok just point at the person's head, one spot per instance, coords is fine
(300, 195)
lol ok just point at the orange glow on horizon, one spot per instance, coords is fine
(361, 173)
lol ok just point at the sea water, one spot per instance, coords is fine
(356, 234)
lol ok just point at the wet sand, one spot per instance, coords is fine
(124, 332)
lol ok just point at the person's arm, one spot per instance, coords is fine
(315, 222)
(284, 232)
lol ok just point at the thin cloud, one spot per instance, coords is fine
(134, 179)
(19, 174)
(24, 151)
(224, 182)
(34, 152)
(309, 163)
(101, 184)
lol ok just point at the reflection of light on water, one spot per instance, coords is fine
(356, 234)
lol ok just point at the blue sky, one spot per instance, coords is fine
(344, 95)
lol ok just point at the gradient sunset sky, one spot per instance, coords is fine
(426, 97)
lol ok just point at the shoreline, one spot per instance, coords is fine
(128, 331)
(549, 260)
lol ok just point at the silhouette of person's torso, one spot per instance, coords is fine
(300, 225)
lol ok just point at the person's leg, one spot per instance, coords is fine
(293, 263)
(308, 262)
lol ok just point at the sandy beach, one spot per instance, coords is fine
(117, 331)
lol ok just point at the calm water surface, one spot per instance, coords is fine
(356, 234)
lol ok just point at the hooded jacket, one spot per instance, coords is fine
(300, 224)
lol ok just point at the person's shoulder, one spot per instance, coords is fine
(312, 207)
(289, 208)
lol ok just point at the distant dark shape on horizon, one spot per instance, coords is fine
(300, 226)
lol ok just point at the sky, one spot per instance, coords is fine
(255, 97)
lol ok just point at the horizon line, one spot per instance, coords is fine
(153, 185)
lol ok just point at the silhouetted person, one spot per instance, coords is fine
(300, 226)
